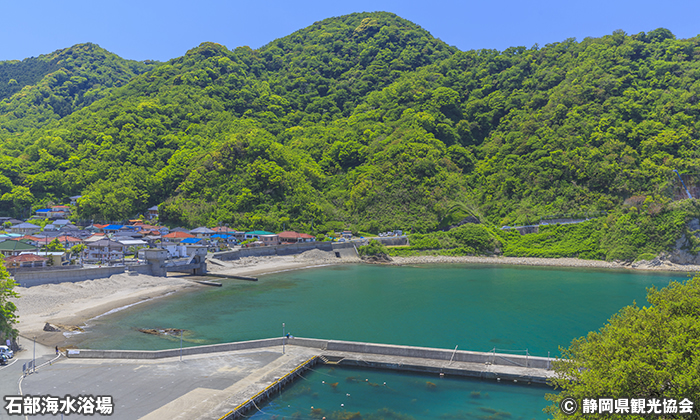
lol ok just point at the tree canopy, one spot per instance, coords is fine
(363, 121)
(643, 353)
(8, 315)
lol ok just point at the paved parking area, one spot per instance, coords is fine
(201, 386)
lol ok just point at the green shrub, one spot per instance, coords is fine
(645, 257)
(373, 248)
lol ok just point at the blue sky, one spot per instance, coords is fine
(161, 30)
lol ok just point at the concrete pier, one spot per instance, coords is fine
(219, 381)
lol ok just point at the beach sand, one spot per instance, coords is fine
(70, 305)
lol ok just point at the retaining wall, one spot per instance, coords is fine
(36, 278)
(289, 249)
(393, 240)
(298, 248)
(141, 269)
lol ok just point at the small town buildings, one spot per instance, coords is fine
(55, 258)
(291, 237)
(227, 239)
(153, 212)
(65, 240)
(31, 240)
(104, 251)
(131, 246)
(25, 228)
(269, 240)
(255, 234)
(25, 261)
(13, 248)
(202, 232)
(176, 237)
(305, 237)
(54, 212)
(113, 228)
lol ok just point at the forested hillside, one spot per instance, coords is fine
(363, 121)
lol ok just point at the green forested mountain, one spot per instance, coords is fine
(363, 121)
(38, 90)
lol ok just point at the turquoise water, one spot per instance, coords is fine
(405, 396)
(475, 307)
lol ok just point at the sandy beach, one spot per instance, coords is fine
(70, 305)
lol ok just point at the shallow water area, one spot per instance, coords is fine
(474, 307)
(353, 393)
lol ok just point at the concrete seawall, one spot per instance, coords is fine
(345, 249)
(330, 346)
(36, 278)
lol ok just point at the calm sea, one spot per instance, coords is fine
(475, 307)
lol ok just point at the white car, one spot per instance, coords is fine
(7, 352)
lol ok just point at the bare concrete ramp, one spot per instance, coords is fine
(204, 403)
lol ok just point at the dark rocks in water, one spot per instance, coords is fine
(48, 327)
(160, 331)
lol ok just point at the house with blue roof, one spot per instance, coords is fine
(191, 241)
(112, 228)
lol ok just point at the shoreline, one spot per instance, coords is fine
(547, 262)
(70, 305)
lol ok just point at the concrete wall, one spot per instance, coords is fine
(437, 354)
(141, 269)
(36, 278)
(330, 345)
(298, 248)
(144, 354)
(290, 249)
(393, 240)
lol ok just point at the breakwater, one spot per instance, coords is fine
(424, 359)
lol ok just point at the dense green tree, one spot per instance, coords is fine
(366, 122)
(650, 353)
(8, 315)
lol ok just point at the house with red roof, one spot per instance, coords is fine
(291, 237)
(65, 240)
(25, 260)
(176, 237)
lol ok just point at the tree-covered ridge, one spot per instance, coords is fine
(36, 91)
(365, 121)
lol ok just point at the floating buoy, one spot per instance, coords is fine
(347, 395)
(342, 405)
(515, 380)
(498, 379)
(323, 382)
(366, 380)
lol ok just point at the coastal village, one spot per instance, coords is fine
(49, 240)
